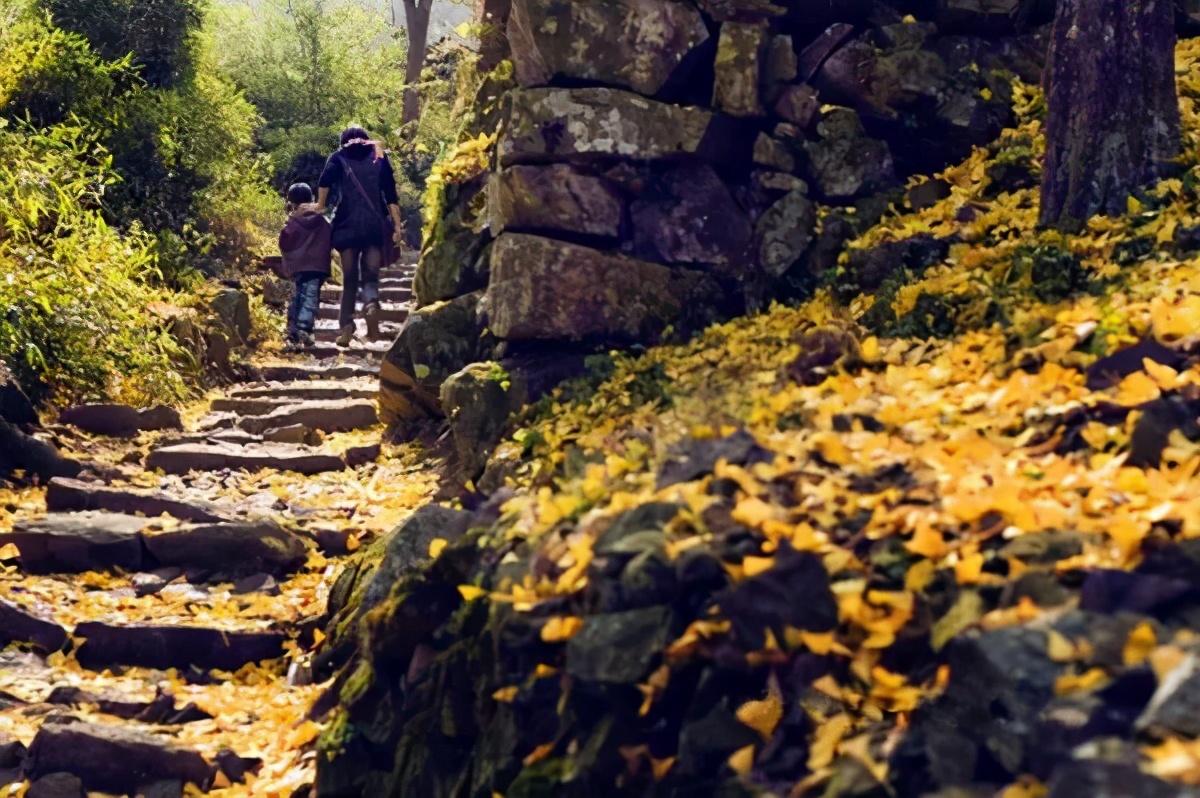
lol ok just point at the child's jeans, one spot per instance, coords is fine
(306, 298)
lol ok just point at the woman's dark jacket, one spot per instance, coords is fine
(357, 223)
(306, 243)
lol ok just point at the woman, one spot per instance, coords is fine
(362, 234)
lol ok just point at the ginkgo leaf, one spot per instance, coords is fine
(561, 629)
(1141, 642)
(764, 715)
(741, 761)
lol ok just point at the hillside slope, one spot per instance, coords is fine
(939, 538)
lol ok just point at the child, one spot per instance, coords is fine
(307, 252)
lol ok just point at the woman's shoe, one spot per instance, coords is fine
(371, 313)
(346, 336)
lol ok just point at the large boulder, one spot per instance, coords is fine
(638, 44)
(545, 289)
(452, 262)
(741, 53)
(478, 402)
(557, 198)
(436, 341)
(366, 582)
(687, 215)
(232, 307)
(591, 123)
(480, 399)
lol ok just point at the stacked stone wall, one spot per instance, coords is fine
(659, 164)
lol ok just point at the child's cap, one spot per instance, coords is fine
(300, 194)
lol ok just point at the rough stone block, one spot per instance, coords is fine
(638, 44)
(554, 198)
(586, 124)
(545, 289)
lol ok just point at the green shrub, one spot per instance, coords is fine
(48, 75)
(75, 290)
(157, 34)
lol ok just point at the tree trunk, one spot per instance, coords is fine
(22, 452)
(416, 21)
(493, 40)
(1113, 111)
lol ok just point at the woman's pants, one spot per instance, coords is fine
(360, 272)
(306, 298)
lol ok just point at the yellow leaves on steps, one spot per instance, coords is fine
(1140, 645)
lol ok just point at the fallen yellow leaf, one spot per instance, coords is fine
(561, 629)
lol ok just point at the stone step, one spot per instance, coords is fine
(392, 313)
(247, 406)
(110, 759)
(161, 709)
(299, 370)
(335, 415)
(300, 459)
(397, 293)
(103, 541)
(399, 270)
(327, 331)
(20, 624)
(71, 495)
(368, 351)
(221, 434)
(149, 646)
(311, 389)
(120, 420)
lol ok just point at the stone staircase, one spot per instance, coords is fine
(395, 296)
(169, 571)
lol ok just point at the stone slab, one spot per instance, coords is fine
(217, 457)
(106, 645)
(72, 495)
(77, 542)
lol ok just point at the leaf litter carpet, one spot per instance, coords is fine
(248, 722)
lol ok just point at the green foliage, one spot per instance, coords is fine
(157, 34)
(128, 166)
(183, 147)
(75, 290)
(47, 75)
(312, 67)
(1055, 273)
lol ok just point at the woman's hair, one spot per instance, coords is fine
(356, 142)
(299, 194)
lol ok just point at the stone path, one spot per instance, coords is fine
(156, 625)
